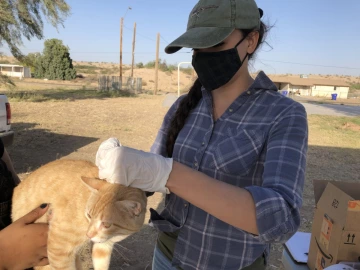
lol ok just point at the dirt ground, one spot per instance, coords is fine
(74, 129)
(52, 130)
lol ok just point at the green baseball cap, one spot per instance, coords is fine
(212, 21)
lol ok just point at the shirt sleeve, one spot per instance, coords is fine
(279, 199)
(159, 145)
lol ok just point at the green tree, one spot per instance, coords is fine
(30, 60)
(22, 18)
(55, 62)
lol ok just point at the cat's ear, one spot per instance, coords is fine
(134, 208)
(94, 184)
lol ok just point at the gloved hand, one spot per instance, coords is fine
(131, 167)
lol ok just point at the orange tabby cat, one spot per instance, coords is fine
(82, 208)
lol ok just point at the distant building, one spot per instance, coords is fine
(15, 71)
(312, 87)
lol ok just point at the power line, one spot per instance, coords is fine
(164, 39)
(265, 60)
(129, 8)
(137, 32)
(144, 36)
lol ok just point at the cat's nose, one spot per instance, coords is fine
(90, 234)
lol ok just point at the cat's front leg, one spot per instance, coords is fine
(101, 255)
(61, 260)
(61, 251)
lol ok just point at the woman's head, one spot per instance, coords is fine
(224, 35)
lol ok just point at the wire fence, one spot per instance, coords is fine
(117, 83)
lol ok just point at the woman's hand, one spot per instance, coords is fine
(131, 167)
(23, 244)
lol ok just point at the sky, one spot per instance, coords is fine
(308, 36)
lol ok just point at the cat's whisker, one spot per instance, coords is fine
(124, 247)
(122, 255)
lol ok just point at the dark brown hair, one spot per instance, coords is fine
(190, 101)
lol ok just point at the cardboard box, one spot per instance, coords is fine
(335, 235)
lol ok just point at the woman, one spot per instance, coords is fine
(22, 243)
(231, 154)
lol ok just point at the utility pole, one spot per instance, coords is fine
(133, 52)
(121, 41)
(157, 63)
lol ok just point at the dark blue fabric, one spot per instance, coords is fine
(160, 262)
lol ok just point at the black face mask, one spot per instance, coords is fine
(216, 69)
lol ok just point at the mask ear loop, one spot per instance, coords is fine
(237, 44)
(246, 56)
(242, 61)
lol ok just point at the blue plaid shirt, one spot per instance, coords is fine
(260, 144)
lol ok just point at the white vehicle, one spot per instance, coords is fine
(6, 134)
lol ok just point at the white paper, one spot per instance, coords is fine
(299, 246)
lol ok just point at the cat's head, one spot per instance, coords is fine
(114, 211)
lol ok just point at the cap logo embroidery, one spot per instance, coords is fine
(197, 11)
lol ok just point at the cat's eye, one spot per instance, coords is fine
(106, 225)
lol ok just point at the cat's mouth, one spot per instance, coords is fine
(98, 240)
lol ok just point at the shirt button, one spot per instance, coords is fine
(185, 205)
(203, 143)
(248, 92)
(230, 110)
(196, 164)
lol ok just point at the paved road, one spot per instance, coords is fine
(311, 108)
(329, 109)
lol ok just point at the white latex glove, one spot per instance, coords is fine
(131, 167)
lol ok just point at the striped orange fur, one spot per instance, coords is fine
(82, 208)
